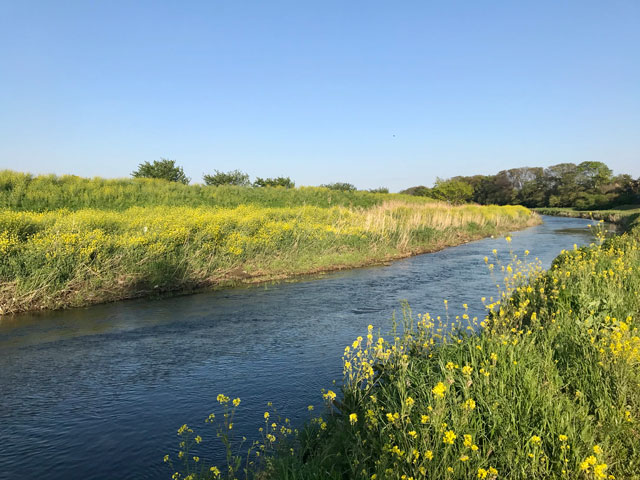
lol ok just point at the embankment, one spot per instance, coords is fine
(66, 258)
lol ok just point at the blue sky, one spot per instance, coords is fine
(373, 93)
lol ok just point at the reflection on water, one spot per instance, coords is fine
(99, 392)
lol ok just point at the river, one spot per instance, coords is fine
(99, 392)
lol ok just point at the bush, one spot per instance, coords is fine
(163, 169)
(285, 182)
(342, 186)
(234, 177)
(379, 190)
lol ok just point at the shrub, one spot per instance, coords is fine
(342, 186)
(163, 169)
(234, 177)
(285, 182)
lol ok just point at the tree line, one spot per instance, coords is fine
(586, 186)
(166, 169)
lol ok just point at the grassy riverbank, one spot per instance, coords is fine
(63, 258)
(626, 216)
(41, 193)
(548, 387)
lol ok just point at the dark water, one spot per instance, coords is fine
(98, 393)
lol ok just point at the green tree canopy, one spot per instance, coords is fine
(234, 177)
(342, 186)
(163, 169)
(285, 182)
(454, 191)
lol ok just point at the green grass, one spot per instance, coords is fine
(25, 192)
(65, 258)
(548, 387)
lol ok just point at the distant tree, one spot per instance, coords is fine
(494, 190)
(419, 191)
(285, 182)
(592, 176)
(234, 177)
(163, 169)
(561, 185)
(454, 191)
(379, 190)
(342, 186)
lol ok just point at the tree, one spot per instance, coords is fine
(379, 190)
(163, 169)
(285, 182)
(494, 190)
(593, 175)
(342, 186)
(454, 191)
(419, 191)
(234, 177)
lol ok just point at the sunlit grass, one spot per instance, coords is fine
(67, 258)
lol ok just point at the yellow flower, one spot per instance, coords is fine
(330, 395)
(424, 418)
(470, 404)
(448, 437)
(222, 398)
(413, 434)
(535, 440)
(198, 439)
(196, 459)
(464, 458)
(353, 418)
(266, 415)
(236, 402)
(439, 390)
(588, 463)
(599, 471)
(410, 402)
(563, 438)
(429, 455)
(215, 471)
(597, 450)
(466, 370)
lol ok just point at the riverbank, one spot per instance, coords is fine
(61, 258)
(627, 217)
(549, 387)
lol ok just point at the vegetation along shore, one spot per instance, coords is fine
(68, 241)
(626, 216)
(547, 385)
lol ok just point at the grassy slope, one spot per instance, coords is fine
(24, 192)
(62, 258)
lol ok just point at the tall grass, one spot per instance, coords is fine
(23, 191)
(64, 258)
(546, 386)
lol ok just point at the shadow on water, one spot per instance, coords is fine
(99, 392)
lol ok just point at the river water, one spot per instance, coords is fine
(99, 392)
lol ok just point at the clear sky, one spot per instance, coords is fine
(372, 93)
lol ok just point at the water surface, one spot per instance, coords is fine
(99, 392)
